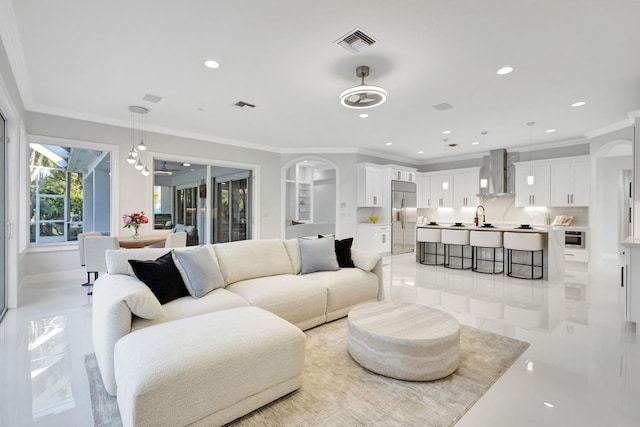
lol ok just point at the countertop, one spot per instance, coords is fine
(631, 242)
(502, 227)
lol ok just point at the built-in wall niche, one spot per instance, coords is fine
(310, 198)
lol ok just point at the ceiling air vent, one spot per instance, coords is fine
(443, 107)
(244, 104)
(152, 98)
(355, 41)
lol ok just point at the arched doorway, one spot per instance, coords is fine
(310, 197)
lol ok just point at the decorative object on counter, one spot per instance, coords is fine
(458, 224)
(524, 227)
(373, 218)
(562, 220)
(433, 223)
(488, 225)
(134, 220)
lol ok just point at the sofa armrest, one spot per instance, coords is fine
(116, 297)
(369, 261)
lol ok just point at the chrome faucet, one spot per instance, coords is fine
(476, 218)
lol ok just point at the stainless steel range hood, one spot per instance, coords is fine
(496, 175)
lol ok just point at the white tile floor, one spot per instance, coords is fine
(582, 368)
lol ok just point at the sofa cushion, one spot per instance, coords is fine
(294, 298)
(293, 250)
(216, 300)
(198, 269)
(318, 254)
(346, 287)
(249, 259)
(189, 229)
(162, 277)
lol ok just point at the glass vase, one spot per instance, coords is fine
(136, 235)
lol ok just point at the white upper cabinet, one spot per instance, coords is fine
(533, 184)
(423, 189)
(403, 174)
(441, 191)
(570, 182)
(466, 187)
(370, 185)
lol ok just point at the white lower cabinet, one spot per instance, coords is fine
(374, 238)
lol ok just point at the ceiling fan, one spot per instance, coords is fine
(164, 170)
(363, 95)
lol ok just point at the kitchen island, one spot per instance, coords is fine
(553, 254)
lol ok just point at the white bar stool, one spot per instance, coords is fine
(490, 240)
(453, 239)
(426, 237)
(524, 242)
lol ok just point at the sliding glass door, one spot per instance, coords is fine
(3, 227)
(232, 201)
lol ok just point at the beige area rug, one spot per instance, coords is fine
(336, 391)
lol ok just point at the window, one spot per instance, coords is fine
(65, 186)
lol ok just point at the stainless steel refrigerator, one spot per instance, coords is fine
(403, 216)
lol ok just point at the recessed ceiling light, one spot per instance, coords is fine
(505, 70)
(446, 132)
(578, 104)
(186, 164)
(364, 115)
(389, 143)
(211, 64)
(475, 143)
(550, 130)
(420, 152)
(548, 405)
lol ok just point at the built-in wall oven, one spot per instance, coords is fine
(575, 239)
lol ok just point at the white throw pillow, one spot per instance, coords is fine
(318, 254)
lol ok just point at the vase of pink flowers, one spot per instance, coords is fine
(134, 220)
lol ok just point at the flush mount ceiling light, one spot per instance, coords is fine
(363, 95)
(211, 64)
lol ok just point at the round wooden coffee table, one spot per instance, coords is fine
(405, 341)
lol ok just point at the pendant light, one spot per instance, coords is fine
(484, 182)
(138, 135)
(531, 180)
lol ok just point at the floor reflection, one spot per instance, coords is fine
(51, 373)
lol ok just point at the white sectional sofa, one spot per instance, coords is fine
(259, 273)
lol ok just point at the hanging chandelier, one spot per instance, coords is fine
(138, 135)
(363, 95)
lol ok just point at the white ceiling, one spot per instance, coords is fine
(92, 60)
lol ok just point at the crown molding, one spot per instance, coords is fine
(613, 127)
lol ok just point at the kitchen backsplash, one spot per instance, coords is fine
(502, 210)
